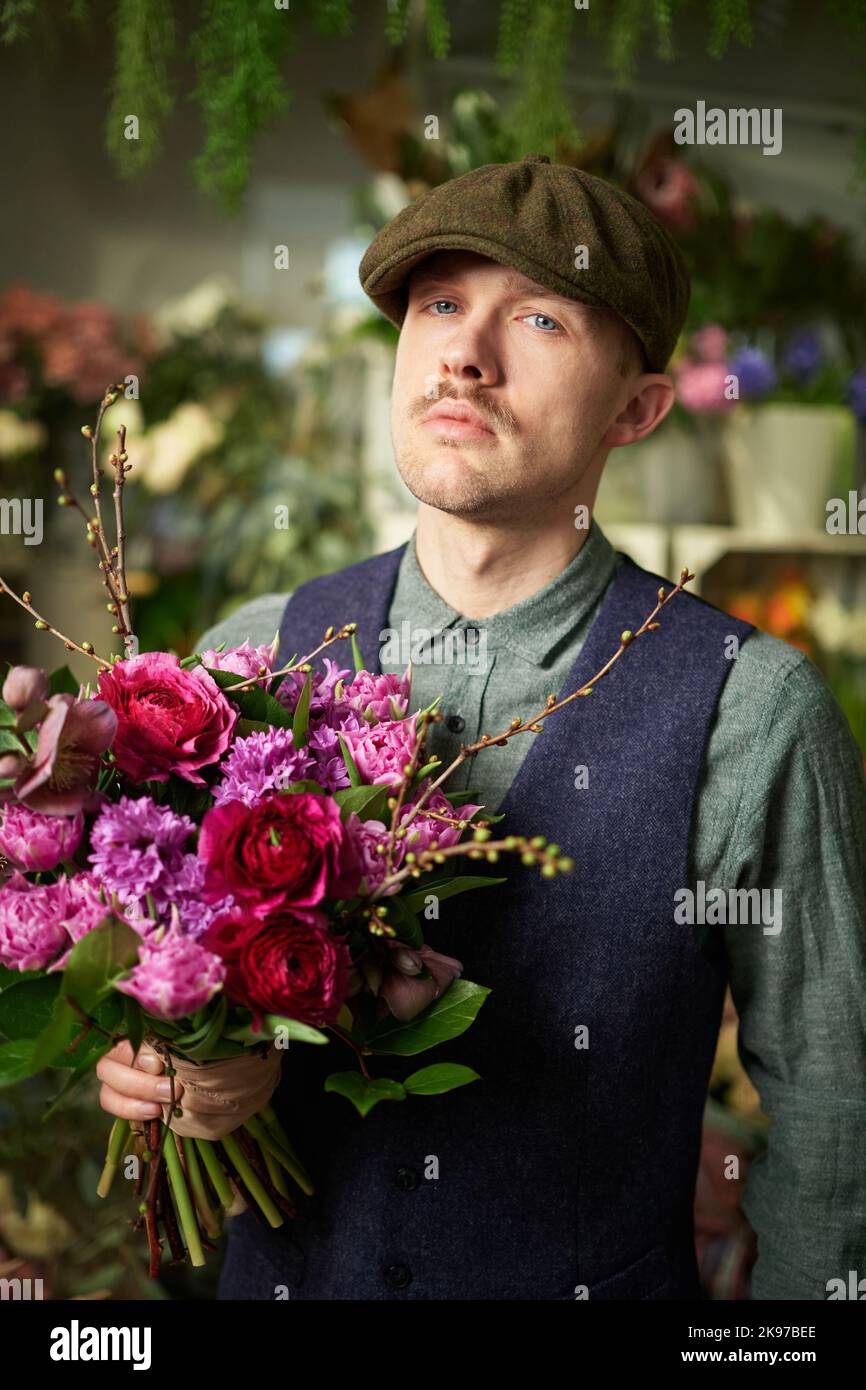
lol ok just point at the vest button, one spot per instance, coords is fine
(456, 723)
(406, 1179)
(398, 1276)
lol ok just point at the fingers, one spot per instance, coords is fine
(128, 1091)
(125, 1108)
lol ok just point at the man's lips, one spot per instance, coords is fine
(454, 420)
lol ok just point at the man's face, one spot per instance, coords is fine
(540, 370)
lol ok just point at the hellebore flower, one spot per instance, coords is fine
(25, 691)
(62, 774)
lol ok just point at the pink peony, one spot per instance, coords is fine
(35, 842)
(378, 697)
(38, 920)
(382, 751)
(245, 661)
(169, 719)
(175, 974)
(710, 343)
(426, 827)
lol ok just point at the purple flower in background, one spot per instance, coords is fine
(754, 371)
(330, 769)
(175, 975)
(803, 355)
(322, 692)
(367, 836)
(856, 395)
(35, 842)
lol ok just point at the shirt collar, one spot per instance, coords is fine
(532, 628)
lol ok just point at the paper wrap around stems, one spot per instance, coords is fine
(218, 1096)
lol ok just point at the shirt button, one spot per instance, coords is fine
(398, 1276)
(406, 1179)
(456, 723)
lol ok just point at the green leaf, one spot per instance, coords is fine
(96, 961)
(134, 1021)
(368, 802)
(408, 926)
(13, 977)
(441, 1076)
(210, 1033)
(356, 655)
(255, 703)
(449, 888)
(291, 1028)
(354, 774)
(307, 785)
(8, 717)
(16, 1061)
(447, 1017)
(364, 1093)
(9, 743)
(301, 719)
(26, 1007)
(62, 682)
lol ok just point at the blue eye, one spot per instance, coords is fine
(544, 316)
(437, 302)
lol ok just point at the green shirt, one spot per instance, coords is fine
(781, 803)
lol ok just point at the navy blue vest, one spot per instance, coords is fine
(565, 1168)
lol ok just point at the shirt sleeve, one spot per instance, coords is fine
(256, 621)
(800, 992)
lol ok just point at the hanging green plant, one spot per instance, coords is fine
(238, 49)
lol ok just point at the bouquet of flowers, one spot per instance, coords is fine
(219, 856)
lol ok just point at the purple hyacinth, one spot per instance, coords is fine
(264, 761)
(754, 371)
(803, 355)
(856, 395)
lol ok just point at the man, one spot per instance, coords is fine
(538, 309)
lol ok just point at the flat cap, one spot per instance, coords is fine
(535, 216)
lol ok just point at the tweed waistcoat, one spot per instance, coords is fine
(568, 1170)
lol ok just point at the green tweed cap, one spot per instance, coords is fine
(535, 217)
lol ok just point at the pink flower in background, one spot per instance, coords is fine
(367, 836)
(244, 660)
(34, 842)
(169, 718)
(175, 974)
(669, 190)
(322, 693)
(62, 775)
(710, 343)
(24, 311)
(378, 697)
(701, 387)
(382, 751)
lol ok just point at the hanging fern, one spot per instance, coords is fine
(731, 18)
(438, 28)
(141, 86)
(13, 19)
(396, 20)
(663, 14)
(333, 17)
(541, 116)
(513, 23)
(238, 53)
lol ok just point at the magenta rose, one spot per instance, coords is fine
(169, 718)
(284, 851)
(289, 964)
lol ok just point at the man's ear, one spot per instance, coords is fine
(653, 396)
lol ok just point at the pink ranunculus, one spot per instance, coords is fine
(701, 387)
(170, 719)
(378, 697)
(368, 836)
(34, 842)
(62, 775)
(37, 921)
(284, 851)
(245, 661)
(382, 751)
(404, 993)
(175, 975)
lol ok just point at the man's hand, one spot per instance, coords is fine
(133, 1092)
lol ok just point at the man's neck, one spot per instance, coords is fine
(483, 569)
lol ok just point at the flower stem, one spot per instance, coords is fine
(215, 1171)
(196, 1182)
(283, 1155)
(183, 1205)
(117, 1140)
(250, 1180)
